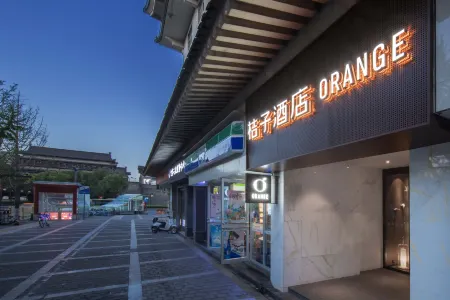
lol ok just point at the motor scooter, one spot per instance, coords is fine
(164, 224)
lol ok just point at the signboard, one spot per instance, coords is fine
(177, 169)
(84, 190)
(258, 188)
(227, 142)
(368, 66)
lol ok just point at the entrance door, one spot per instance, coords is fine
(235, 222)
(396, 219)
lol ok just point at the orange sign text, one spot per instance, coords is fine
(367, 67)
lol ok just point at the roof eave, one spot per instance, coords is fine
(185, 71)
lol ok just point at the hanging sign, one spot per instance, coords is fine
(380, 61)
(258, 188)
(177, 169)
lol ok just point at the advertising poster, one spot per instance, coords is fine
(235, 206)
(214, 207)
(234, 243)
(214, 237)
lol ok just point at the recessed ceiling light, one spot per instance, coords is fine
(388, 161)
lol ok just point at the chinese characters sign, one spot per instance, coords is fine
(177, 169)
(366, 68)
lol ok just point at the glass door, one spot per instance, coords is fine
(235, 221)
(260, 234)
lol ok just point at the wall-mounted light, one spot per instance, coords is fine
(348, 167)
(388, 162)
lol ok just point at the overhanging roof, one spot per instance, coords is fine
(175, 17)
(236, 40)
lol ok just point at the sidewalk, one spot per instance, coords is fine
(259, 280)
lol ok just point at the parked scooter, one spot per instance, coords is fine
(164, 224)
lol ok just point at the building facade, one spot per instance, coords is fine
(345, 166)
(40, 159)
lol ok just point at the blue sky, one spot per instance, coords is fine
(94, 70)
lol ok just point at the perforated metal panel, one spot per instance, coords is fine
(389, 104)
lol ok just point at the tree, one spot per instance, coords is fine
(7, 112)
(21, 127)
(102, 182)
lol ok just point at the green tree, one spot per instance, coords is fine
(58, 176)
(21, 127)
(102, 182)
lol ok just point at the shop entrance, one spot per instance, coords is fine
(354, 229)
(228, 220)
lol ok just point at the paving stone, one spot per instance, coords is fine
(79, 281)
(175, 268)
(115, 294)
(6, 286)
(102, 251)
(215, 287)
(165, 255)
(20, 269)
(91, 263)
(27, 257)
(156, 247)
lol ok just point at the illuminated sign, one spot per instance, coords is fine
(177, 169)
(258, 188)
(367, 67)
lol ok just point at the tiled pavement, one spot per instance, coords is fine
(109, 258)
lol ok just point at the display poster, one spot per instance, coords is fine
(235, 206)
(234, 244)
(214, 235)
(214, 207)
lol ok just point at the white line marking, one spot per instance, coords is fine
(133, 240)
(85, 291)
(86, 270)
(118, 286)
(150, 281)
(37, 237)
(37, 251)
(98, 256)
(148, 262)
(134, 282)
(24, 262)
(150, 244)
(13, 278)
(140, 217)
(123, 240)
(24, 285)
(47, 244)
(168, 250)
(105, 247)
